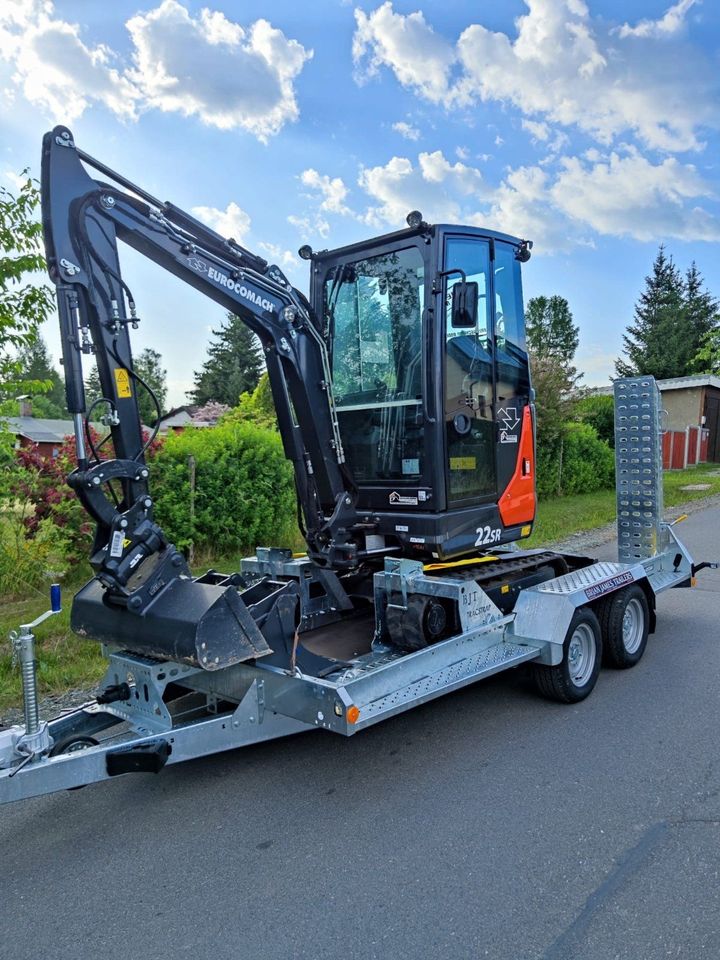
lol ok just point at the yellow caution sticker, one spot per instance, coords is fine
(122, 382)
(463, 463)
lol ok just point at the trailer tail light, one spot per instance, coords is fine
(353, 714)
(526, 467)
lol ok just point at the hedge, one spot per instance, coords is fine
(244, 494)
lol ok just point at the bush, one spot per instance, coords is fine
(577, 462)
(27, 562)
(588, 463)
(244, 491)
(256, 407)
(599, 412)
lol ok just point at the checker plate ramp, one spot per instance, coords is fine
(638, 467)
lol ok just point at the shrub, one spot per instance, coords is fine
(599, 412)
(27, 562)
(588, 463)
(576, 462)
(244, 493)
(256, 407)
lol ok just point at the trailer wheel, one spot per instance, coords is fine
(73, 744)
(625, 621)
(575, 677)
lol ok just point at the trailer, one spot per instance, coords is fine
(151, 712)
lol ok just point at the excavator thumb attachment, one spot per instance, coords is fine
(203, 624)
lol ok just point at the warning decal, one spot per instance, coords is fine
(122, 382)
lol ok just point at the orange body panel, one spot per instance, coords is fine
(518, 501)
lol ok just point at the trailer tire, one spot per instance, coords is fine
(73, 744)
(575, 677)
(625, 623)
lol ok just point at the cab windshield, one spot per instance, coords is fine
(373, 315)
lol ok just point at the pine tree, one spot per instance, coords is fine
(233, 366)
(701, 318)
(36, 366)
(656, 343)
(148, 365)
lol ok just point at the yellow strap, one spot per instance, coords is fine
(458, 563)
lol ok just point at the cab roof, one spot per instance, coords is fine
(410, 232)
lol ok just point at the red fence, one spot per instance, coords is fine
(685, 448)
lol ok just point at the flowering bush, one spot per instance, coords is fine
(40, 483)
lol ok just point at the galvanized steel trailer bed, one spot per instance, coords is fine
(163, 712)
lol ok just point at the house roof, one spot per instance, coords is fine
(38, 430)
(674, 383)
(699, 380)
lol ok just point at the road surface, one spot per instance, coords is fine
(489, 823)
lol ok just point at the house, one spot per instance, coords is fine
(46, 436)
(177, 419)
(691, 418)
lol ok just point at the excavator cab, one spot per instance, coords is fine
(426, 337)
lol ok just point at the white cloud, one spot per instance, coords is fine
(614, 195)
(406, 130)
(420, 58)
(207, 66)
(213, 68)
(537, 130)
(284, 258)
(628, 195)
(435, 187)
(311, 226)
(55, 69)
(333, 191)
(561, 66)
(232, 222)
(671, 23)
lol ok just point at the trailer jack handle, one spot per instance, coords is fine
(36, 741)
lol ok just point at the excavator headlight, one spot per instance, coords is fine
(305, 252)
(414, 219)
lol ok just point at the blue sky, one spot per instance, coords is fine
(589, 126)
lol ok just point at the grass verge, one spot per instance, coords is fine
(68, 662)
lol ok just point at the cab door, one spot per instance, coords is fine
(469, 379)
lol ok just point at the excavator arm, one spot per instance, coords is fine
(83, 220)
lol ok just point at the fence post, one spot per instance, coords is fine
(191, 473)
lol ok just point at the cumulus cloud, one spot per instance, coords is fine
(538, 130)
(435, 186)
(207, 66)
(332, 190)
(310, 226)
(628, 195)
(420, 58)
(406, 130)
(239, 78)
(671, 23)
(618, 194)
(561, 66)
(285, 258)
(230, 222)
(55, 69)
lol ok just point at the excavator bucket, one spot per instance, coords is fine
(203, 624)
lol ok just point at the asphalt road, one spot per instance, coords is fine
(487, 824)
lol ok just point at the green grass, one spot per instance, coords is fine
(564, 516)
(67, 661)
